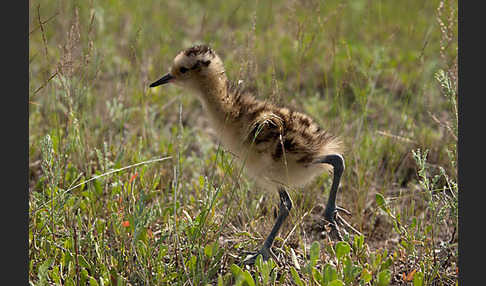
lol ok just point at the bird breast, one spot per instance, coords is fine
(264, 156)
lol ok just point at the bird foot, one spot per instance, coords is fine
(336, 221)
(333, 230)
(264, 251)
(343, 222)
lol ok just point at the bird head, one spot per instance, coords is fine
(192, 66)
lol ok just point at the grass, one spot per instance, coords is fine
(128, 186)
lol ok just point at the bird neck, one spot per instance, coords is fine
(215, 98)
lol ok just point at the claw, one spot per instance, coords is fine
(265, 252)
(338, 208)
(251, 259)
(345, 223)
(334, 233)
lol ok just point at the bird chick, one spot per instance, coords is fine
(281, 148)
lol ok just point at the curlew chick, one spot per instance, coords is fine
(281, 148)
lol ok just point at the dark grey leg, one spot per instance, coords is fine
(337, 161)
(284, 209)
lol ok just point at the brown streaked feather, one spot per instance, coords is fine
(300, 134)
(278, 145)
(199, 50)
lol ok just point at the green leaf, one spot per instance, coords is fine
(386, 264)
(55, 274)
(244, 278)
(97, 250)
(98, 188)
(384, 278)
(273, 277)
(259, 261)
(380, 201)
(342, 249)
(191, 263)
(83, 262)
(296, 276)
(84, 277)
(329, 273)
(236, 270)
(201, 182)
(282, 278)
(336, 282)
(418, 279)
(259, 265)
(69, 282)
(366, 275)
(317, 276)
(220, 280)
(314, 253)
(67, 258)
(358, 242)
(43, 268)
(208, 250)
(264, 268)
(351, 271)
(93, 282)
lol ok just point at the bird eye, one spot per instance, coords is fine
(183, 69)
(206, 63)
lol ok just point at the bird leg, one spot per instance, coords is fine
(284, 209)
(337, 162)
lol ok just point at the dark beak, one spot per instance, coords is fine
(165, 79)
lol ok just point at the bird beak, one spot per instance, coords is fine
(165, 79)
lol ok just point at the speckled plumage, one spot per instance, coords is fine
(277, 144)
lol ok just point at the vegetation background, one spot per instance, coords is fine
(127, 185)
